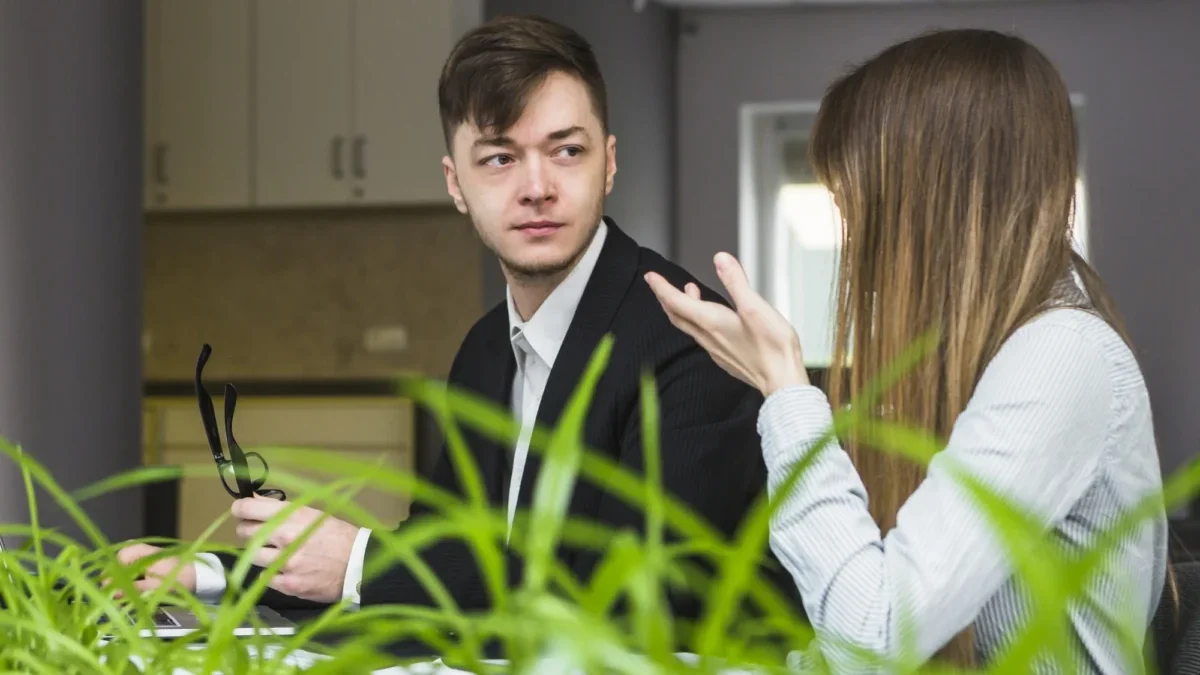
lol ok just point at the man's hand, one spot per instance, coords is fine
(316, 570)
(158, 570)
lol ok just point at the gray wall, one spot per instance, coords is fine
(636, 51)
(71, 250)
(1134, 60)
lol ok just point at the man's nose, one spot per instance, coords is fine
(539, 186)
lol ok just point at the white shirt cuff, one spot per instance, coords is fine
(210, 578)
(352, 587)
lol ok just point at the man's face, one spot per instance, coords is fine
(535, 192)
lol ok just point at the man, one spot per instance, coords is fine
(530, 160)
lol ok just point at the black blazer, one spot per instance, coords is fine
(710, 453)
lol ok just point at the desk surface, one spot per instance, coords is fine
(407, 650)
(413, 650)
(305, 660)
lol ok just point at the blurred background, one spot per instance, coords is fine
(264, 176)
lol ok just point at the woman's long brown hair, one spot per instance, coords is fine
(952, 158)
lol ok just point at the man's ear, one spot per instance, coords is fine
(610, 169)
(452, 185)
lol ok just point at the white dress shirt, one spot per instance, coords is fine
(535, 345)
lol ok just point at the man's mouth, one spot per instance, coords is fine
(539, 228)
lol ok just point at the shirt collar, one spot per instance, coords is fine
(547, 328)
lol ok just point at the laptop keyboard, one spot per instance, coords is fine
(160, 618)
(164, 620)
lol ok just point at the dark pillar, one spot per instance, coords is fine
(70, 250)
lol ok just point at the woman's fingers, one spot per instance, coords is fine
(751, 343)
(671, 298)
(682, 308)
(686, 304)
(733, 277)
(704, 321)
(688, 327)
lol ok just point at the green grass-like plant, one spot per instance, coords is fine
(59, 609)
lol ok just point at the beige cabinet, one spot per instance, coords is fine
(297, 103)
(355, 438)
(302, 73)
(399, 49)
(151, 137)
(347, 100)
(197, 104)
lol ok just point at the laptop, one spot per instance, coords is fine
(172, 621)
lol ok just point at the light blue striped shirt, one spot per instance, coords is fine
(1060, 424)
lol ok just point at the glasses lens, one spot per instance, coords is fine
(256, 472)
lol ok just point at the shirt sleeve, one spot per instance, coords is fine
(1034, 432)
(210, 578)
(352, 587)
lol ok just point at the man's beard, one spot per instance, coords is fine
(539, 272)
(528, 274)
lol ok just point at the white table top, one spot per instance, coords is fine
(306, 660)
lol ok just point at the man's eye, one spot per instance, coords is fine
(496, 160)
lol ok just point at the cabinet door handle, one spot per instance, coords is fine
(160, 163)
(335, 157)
(360, 156)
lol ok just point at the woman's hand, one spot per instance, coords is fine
(754, 343)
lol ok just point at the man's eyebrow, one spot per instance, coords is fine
(494, 141)
(566, 133)
(501, 141)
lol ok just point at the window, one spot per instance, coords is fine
(790, 229)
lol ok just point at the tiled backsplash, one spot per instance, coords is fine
(291, 294)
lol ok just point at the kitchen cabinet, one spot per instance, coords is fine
(197, 104)
(399, 49)
(302, 73)
(351, 432)
(151, 171)
(296, 103)
(346, 100)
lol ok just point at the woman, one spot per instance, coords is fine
(952, 159)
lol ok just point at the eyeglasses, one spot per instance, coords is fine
(236, 466)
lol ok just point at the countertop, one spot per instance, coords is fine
(274, 387)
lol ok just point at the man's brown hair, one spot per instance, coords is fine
(491, 72)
